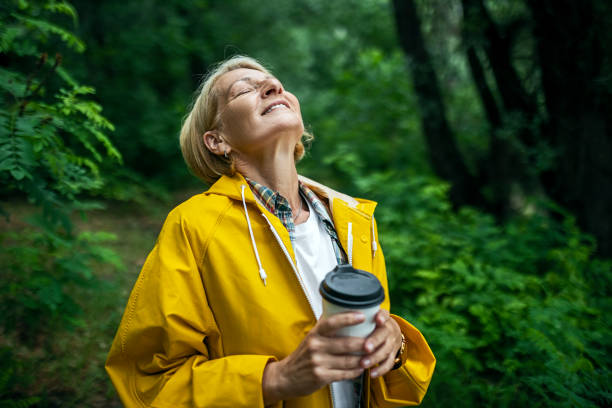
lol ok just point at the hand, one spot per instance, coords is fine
(382, 345)
(320, 359)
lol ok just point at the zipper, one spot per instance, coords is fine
(299, 278)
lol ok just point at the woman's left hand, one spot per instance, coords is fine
(382, 345)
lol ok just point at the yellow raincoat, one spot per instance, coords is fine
(201, 325)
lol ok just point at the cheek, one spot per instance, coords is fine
(298, 110)
(296, 103)
(235, 121)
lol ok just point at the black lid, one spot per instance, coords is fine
(349, 287)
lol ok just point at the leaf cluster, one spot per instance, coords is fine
(45, 269)
(11, 377)
(52, 139)
(515, 313)
(53, 142)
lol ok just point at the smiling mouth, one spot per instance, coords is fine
(280, 105)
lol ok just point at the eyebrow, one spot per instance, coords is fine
(243, 79)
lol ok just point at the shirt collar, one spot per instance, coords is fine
(279, 206)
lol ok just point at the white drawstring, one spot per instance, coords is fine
(349, 243)
(374, 246)
(262, 272)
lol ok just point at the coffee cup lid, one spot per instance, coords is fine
(349, 287)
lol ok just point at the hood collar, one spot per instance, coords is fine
(230, 186)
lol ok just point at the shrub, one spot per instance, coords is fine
(52, 140)
(515, 313)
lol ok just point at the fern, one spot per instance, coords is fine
(8, 35)
(46, 29)
(8, 374)
(509, 311)
(13, 83)
(62, 7)
(52, 141)
(19, 403)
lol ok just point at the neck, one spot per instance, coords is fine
(274, 169)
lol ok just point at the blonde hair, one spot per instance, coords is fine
(204, 116)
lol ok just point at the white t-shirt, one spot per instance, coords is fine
(315, 256)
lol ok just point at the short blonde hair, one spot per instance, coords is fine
(204, 116)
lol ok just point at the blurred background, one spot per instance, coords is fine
(483, 128)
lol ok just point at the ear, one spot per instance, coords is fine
(215, 143)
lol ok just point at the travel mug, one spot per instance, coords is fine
(347, 289)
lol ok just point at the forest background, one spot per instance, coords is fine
(483, 129)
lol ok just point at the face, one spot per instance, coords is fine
(256, 111)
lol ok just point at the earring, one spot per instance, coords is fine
(225, 154)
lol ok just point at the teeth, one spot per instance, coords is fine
(271, 108)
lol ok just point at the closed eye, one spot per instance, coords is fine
(249, 85)
(244, 91)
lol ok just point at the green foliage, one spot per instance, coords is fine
(53, 142)
(375, 127)
(44, 270)
(514, 312)
(51, 138)
(11, 377)
(510, 311)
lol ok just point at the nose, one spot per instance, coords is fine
(271, 87)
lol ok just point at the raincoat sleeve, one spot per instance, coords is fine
(161, 355)
(407, 385)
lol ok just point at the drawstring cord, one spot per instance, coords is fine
(262, 272)
(374, 246)
(349, 243)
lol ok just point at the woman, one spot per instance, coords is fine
(226, 310)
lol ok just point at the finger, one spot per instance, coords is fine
(377, 338)
(327, 375)
(389, 330)
(344, 345)
(381, 344)
(327, 326)
(381, 317)
(342, 362)
(334, 345)
(379, 356)
(384, 367)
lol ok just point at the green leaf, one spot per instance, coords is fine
(48, 28)
(14, 83)
(62, 7)
(19, 174)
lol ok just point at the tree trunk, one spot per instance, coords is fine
(498, 168)
(571, 52)
(444, 155)
(506, 165)
(499, 52)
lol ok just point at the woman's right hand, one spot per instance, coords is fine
(320, 359)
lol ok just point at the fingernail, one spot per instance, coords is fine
(369, 346)
(359, 316)
(366, 363)
(373, 374)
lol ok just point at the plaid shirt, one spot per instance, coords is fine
(279, 206)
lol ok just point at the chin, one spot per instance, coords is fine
(288, 126)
